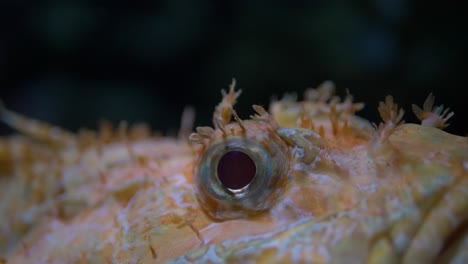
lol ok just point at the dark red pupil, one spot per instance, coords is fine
(236, 170)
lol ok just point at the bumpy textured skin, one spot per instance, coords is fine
(396, 193)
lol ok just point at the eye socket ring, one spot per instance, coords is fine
(254, 194)
(209, 170)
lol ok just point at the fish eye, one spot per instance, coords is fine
(236, 170)
(240, 177)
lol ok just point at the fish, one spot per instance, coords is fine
(305, 182)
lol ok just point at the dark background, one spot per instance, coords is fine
(73, 62)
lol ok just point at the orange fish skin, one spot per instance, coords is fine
(329, 188)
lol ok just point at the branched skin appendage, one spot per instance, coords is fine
(379, 148)
(305, 182)
(432, 116)
(224, 111)
(391, 115)
(36, 129)
(323, 113)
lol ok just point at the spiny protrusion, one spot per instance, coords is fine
(432, 116)
(264, 116)
(323, 97)
(223, 111)
(341, 114)
(202, 134)
(219, 125)
(205, 131)
(196, 138)
(391, 115)
(238, 120)
(36, 129)
(322, 93)
(139, 131)
(105, 135)
(106, 131)
(334, 119)
(123, 134)
(304, 120)
(186, 121)
(349, 107)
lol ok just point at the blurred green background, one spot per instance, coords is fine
(73, 62)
